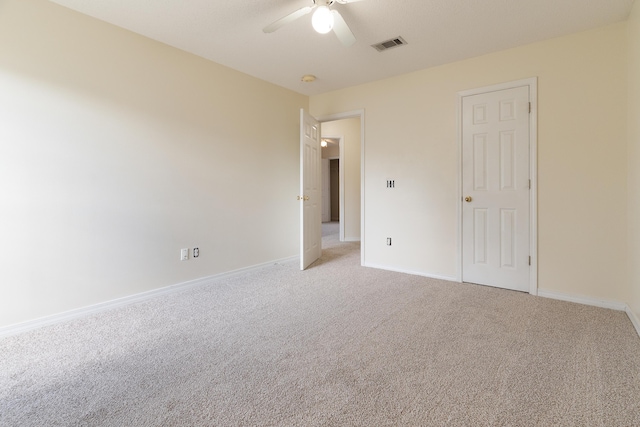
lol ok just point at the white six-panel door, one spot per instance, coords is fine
(310, 190)
(495, 188)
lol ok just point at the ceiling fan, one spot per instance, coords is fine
(323, 20)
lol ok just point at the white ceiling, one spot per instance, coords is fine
(229, 32)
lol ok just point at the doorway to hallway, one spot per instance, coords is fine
(341, 154)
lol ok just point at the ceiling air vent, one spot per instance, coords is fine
(395, 42)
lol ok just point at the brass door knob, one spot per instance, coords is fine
(468, 199)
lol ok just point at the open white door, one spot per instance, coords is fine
(326, 191)
(310, 190)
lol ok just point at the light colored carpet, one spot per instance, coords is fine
(331, 229)
(337, 345)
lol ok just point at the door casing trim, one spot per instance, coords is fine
(532, 84)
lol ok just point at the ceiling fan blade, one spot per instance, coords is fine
(342, 30)
(289, 18)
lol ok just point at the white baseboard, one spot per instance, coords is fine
(414, 273)
(614, 305)
(17, 328)
(634, 319)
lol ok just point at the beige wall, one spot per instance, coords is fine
(116, 151)
(634, 158)
(331, 151)
(349, 130)
(410, 128)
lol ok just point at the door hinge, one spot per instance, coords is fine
(529, 108)
(529, 184)
(529, 259)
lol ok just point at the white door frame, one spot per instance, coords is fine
(532, 83)
(349, 115)
(326, 191)
(341, 178)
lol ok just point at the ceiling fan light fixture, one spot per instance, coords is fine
(322, 20)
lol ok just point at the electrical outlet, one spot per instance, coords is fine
(388, 241)
(196, 252)
(184, 254)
